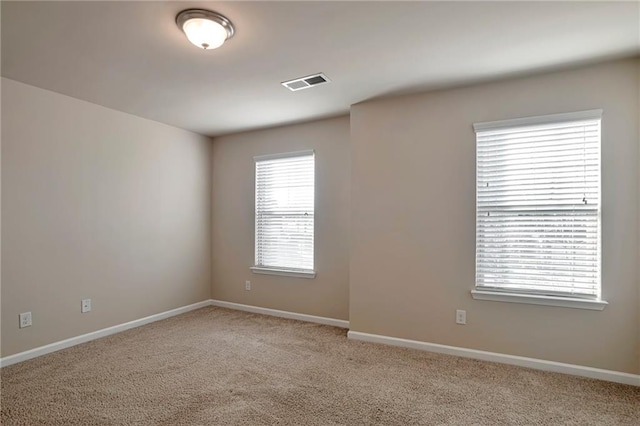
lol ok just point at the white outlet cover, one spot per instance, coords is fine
(247, 285)
(25, 319)
(86, 305)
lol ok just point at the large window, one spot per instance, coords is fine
(285, 214)
(538, 206)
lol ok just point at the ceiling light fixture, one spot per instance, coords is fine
(204, 28)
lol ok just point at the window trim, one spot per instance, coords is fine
(298, 273)
(283, 155)
(500, 295)
(591, 114)
(282, 271)
(539, 299)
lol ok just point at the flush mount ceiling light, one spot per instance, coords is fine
(204, 28)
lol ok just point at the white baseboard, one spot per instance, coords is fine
(283, 314)
(67, 343)
(63, 344)
(538, 364)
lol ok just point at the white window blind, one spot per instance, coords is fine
(285, 211)
(538, 205)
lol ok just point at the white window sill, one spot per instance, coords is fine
(283, 272)
(531, 299)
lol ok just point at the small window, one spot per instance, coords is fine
(538, 205)
(285, 214)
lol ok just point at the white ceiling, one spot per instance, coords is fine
(131, 56)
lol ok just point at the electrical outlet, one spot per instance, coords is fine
(461, 317)
(247, 285)
(85, 306)
(25, 319)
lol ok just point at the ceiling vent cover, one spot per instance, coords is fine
(306, 82)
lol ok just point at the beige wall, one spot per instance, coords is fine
(413, 219)
(233, 219)
(97, 204)
(142, 217)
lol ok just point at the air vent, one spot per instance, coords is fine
(306, 82)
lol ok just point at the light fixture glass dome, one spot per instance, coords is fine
(204, 28)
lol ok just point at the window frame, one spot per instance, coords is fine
(281, 270)
(534, 297)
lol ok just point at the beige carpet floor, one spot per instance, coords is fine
(220, 367)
